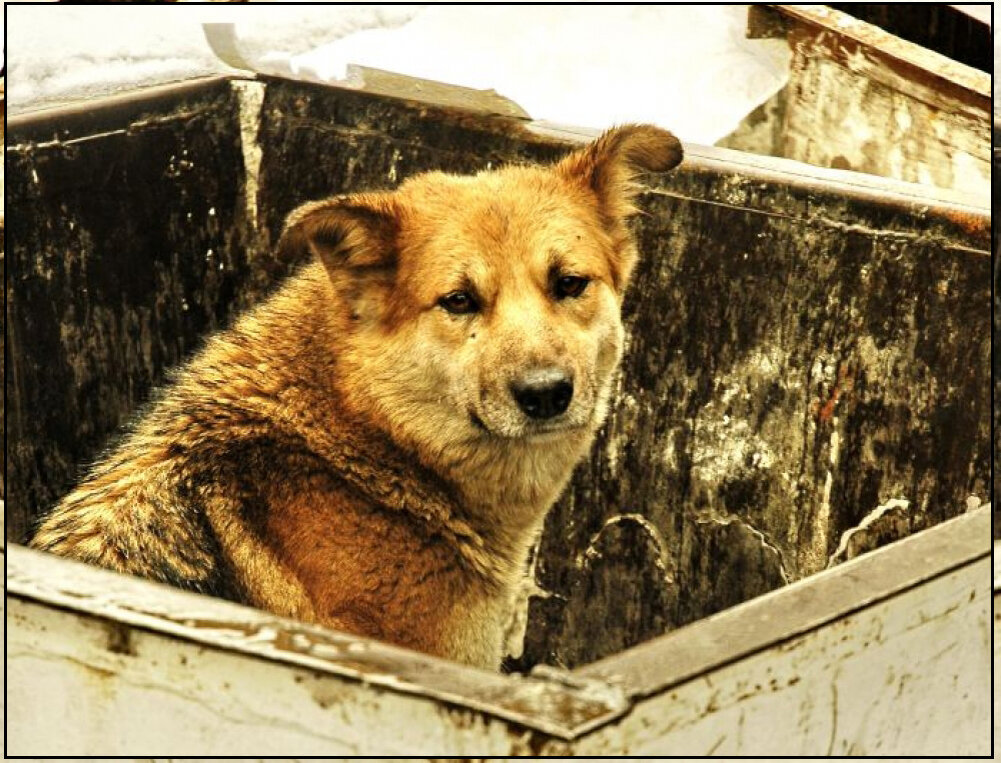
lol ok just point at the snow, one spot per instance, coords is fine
(58, 53)
(687, 68)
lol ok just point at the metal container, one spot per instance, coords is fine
(807, 378)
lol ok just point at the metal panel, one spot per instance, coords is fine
(908, 677)
(996, 643)
(886, 654)
(126, 245)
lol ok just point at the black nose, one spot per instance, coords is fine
(543, 394)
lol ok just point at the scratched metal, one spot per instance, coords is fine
(126, 246)
(950, 77)
(962, 33)
(908, 677)
(557, 703)
(804, 606)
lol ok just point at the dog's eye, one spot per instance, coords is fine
(459, 302)
(570, 286)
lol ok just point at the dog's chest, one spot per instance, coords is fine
(474, 631)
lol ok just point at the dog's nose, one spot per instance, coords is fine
(544, 393)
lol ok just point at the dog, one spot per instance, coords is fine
(375, 447)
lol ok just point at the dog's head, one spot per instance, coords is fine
(485, 310)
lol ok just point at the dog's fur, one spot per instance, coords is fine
(350, 453)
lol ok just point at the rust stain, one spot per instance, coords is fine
(532, 743)
(969, 222)
(824, 410)
(327, 693)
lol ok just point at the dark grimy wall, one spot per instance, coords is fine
(995, 355)
(125, 247)
(797, 362)
(807, 376)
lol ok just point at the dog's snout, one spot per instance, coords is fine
(544, 393)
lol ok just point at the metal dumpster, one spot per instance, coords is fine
(807, 378)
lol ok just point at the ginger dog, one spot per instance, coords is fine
(375, 447)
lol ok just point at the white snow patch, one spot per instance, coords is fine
(59, 52)
(688, 68)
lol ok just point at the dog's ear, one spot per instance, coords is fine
(356, 239)
(606, 171)
(350, 235)
(608, 166)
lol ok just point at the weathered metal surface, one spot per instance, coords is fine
(996, 334)
(133, 668)
(560, 704)
(805, 344)
(950, 78)
(959, 32)
(862, 99)
(908, 678)
(111, 690)
(782, 381)
(996, 642)
(356, 141)
(806, 605)
(127, 246)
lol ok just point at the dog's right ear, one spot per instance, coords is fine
(608, 166)
(348, 234)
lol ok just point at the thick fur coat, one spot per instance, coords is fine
(376, 446)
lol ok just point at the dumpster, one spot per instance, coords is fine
(807, 379)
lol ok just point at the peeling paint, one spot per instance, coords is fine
(250, 97)
(141, 660)
(664, 554)
(759, 536)
(889, 518)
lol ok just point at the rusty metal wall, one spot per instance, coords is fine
(126, 245)
(804, 347)
(798, 358)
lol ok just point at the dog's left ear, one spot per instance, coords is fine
(608, 166)
(356, 239)
(348, 234)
